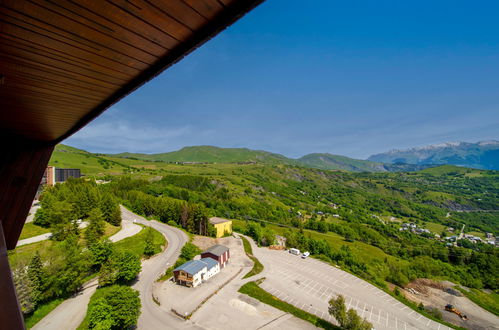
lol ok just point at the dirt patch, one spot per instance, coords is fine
(204, 242)
(433, 294)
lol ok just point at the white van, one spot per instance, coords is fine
(305, 254)
(294, 251)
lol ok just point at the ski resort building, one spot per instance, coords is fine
(219, 253)
(222, 226)
(195, 272)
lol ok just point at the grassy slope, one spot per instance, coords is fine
(257, 265)
(136, 243)
(336, 162)
(211, 154)
(31, 230)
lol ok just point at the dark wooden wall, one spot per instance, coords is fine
(22, 164)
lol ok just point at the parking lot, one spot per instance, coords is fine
(309, 284)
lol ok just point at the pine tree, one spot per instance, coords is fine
(110, 210)
(37, 278)
(95, 228)
(149, 240)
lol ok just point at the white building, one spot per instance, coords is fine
(195, 272)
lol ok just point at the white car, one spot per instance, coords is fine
(305, 255)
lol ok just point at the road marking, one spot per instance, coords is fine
(379, 316)
(387, 317)
(364, 310)
(371, 315)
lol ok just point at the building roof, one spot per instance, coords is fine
(210, 263)
(216, 220)
(217, 250)
(192, 267)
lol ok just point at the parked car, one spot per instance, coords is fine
(294, 251)
(305, 254)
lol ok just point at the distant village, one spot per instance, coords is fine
(450, 240)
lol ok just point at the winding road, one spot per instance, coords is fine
(71, 312)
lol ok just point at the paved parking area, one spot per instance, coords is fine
(309, 284)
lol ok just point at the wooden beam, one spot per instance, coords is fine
(10, 312)
(21, 170)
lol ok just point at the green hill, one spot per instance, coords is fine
(334, 162)
(211, 154)
(98, 164)
(90, 164)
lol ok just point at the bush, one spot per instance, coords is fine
(117, 308)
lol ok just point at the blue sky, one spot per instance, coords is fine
(345, 77)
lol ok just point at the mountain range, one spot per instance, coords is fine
(211, 154)
(481, 155)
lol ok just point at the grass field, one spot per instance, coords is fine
(253, 290)
(365, 251)
(435, 228)
(477, 233)
(31, 230)
(136, 243)
(257, 265)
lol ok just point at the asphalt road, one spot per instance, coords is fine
(72, 311)
(152, 317)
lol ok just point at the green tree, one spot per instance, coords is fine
(61, 217)
(338, 309)
(149, 249)
(347, 319)
(23, 289)
(95, 228)
(110, 210)
(118, 308)
(101, 315)
(101, 251)
(37, 278)
(121, 267)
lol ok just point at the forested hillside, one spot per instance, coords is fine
(352, 219)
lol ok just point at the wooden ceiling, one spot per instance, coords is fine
(63, 62)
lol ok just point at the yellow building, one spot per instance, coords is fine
(221, 225)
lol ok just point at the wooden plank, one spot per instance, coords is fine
(44, 38)
(76, 33)
(146, 29)
(181, 12)
(20, 64)
(12, 68)
(14, 54)
(28, 89)
(149, 14)
(207, 8)
(99, 22)
(103, 71)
